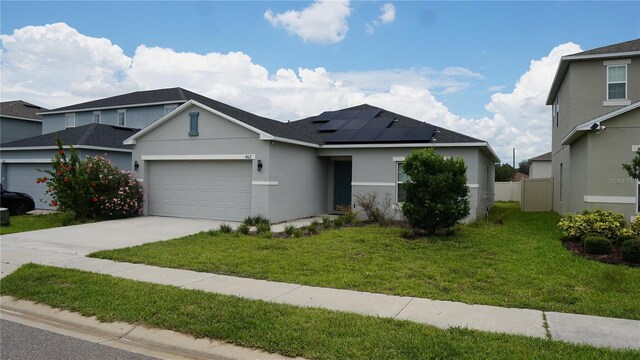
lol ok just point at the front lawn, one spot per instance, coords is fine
(285, 329)
(519, 264)
(21, 223)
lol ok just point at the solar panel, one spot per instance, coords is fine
(325, 116)
(341, 136)
(379, 123)
(419, 134)
(366, 135)
(333, 125)
(368, 114)
(392, 134)
(355, 124)
(346, 114)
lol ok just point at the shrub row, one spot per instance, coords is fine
(606, 223)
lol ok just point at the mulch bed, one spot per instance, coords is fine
(614, 258)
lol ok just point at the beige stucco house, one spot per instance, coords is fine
(595, 99)
(540, 166)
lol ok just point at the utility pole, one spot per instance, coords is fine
(514, 158)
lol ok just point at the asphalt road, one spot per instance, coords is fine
(18, 342)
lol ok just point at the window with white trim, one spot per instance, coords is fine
(401, 177)
(556, 109)
(170, 108)
(122, 117)
(69, 120)
(616, 82)
(97, 115)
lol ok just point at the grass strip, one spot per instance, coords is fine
(285, 329)
(519, 263)
(22, 223)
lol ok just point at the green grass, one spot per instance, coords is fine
(289, 330)
(519, 264)
(21, 223)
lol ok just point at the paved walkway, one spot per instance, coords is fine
(66, 247)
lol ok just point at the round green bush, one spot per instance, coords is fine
(623, 238)
(597, 244)
(631, 250)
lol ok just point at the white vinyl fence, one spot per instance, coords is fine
(508, 191)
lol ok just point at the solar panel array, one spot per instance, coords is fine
(367, 126)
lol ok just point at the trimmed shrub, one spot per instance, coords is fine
(289, 230)
(339, 221)
(326, 222)
(312, 229)
(243, 229)
(225, 229)
(437, 195)
(297, 233)
(622, 239)
(608, 223)
(263, 227)
(597, 244)
(248, 221)
(631, 250)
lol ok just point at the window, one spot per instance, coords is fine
(617, 82)
(400, 178)
(193, 123)
(556, 109)
(69, 120)
(122, 117)
(170, 108)
(560, 182)
(96, 117)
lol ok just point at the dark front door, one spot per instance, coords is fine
(341, 183)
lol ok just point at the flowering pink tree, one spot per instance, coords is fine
(91, 188)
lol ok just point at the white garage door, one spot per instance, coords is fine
(218, 190)
(22, 178)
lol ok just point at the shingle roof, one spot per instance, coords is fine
(20, 109)
(305, 130)
(88, 135)
(543, 157)
(627, 46)
(311, 128)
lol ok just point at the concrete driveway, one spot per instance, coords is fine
(51, 246)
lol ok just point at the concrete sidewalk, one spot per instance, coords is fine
(593, 330)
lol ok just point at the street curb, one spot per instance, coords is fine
(127, 336)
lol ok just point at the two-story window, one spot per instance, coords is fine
(616, 83)
(122, 117)
(97, 117)
(69, 120)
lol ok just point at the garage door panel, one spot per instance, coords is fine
(22, 178)
(200, 189)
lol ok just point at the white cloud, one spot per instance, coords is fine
(54, 65)
(387, 16)
(496, 88)
(323, 22)
(388, 13)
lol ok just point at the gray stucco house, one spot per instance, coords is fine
(595, 99)
(95, 127)
(19, 120)
(209, 160)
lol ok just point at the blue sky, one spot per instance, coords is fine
(494, 42)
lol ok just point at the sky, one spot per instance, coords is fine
(480, 68)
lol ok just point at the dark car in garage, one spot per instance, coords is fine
(17, 203)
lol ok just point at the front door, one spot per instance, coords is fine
(341, 184)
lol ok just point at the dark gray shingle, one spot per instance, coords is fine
(88, 135)
(21, 109)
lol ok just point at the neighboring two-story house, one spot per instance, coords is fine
(595, 99)
(19, 120)
(96, 127)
